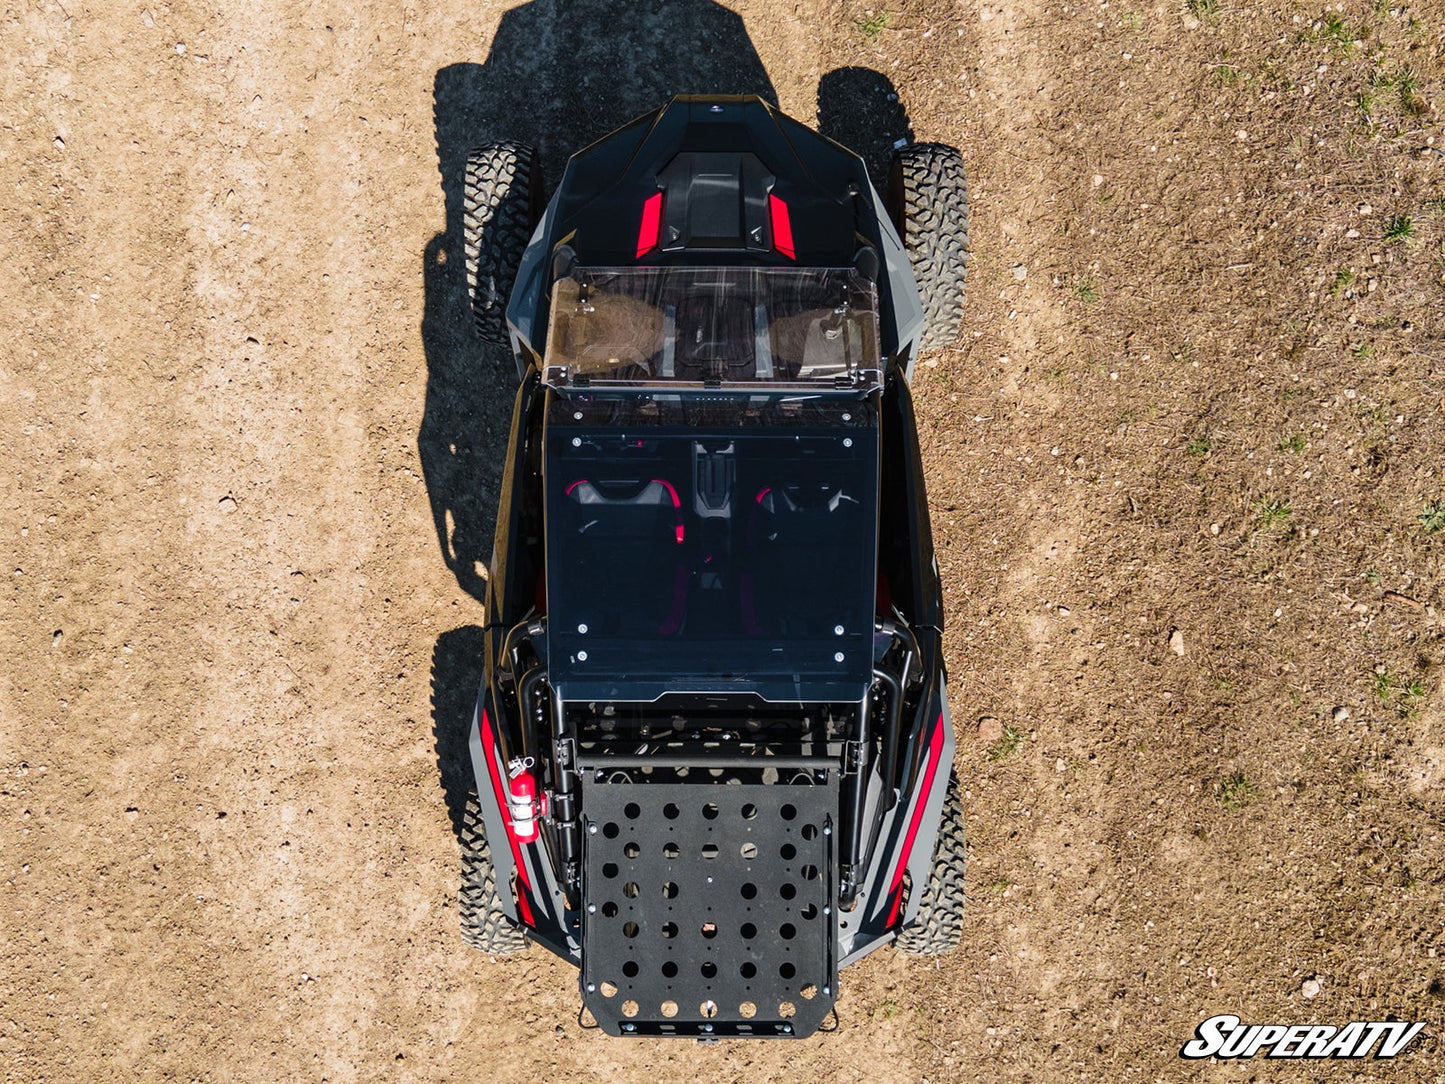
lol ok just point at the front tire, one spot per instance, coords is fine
(928, 199)
(938, 926)
(501, 206)
(485, 924)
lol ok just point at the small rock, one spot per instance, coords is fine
(989, 728)
(228, 504)
(1242, 136)
(1340, 714)
(1176, 642)
(1214, 529)
(1020, 272)
(148, 20)
(56, 637)
(1191, 23)
(1098, 179)
(1366, 209)
(1060, 765)
(59, 144)
(1063, 611)
(181, 48)
(1310, 989)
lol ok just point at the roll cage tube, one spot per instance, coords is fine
(538, 707)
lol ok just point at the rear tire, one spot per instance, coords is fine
(938, 926)
(500, 209)
(485, 924)
(928, 199)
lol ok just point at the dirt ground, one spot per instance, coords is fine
(252, 451)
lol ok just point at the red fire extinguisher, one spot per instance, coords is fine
(522, 800)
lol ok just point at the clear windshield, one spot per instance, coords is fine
(713, 324)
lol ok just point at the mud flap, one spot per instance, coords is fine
(707, 908)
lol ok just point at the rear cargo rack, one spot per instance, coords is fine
(707, 906)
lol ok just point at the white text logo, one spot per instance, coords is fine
(1226, 1037)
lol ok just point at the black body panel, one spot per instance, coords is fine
(717, 160)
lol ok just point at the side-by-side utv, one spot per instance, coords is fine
(713, 753)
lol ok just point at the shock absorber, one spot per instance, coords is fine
(569, 835)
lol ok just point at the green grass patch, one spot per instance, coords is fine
(1432, 516)
(1399, 229)
(1271, 512)
(1294, 445)
(1237, 791)
(1227, 75)
(1006, 746)
(1402, 694)
(874, 25)
(1336, 33)
(1086, 292)
(1344, 279)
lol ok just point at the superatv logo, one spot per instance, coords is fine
(1226, 1037)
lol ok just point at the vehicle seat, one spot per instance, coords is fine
(795, 580)
(629, 548)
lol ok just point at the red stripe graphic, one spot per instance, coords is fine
(524, 887)
(935, 747)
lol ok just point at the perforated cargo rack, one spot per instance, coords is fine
(707, 903)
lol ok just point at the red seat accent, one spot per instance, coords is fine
(651, 227)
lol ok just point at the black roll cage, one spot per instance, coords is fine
(901, 674)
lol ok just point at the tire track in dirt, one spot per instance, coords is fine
(1050, 636)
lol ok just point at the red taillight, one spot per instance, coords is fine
(651, 226)
(782, 226)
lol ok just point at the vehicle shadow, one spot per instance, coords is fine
(456, 675)
(860, 108)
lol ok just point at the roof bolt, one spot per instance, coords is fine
(827, 829)
(838, 656)
(629, 1026)
(838, 630)
(576, 442)
(827, 911)
(592, 829)
(847, 442)
(787, 1029)
(847, 417)
(592, 988)
(591, 910)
